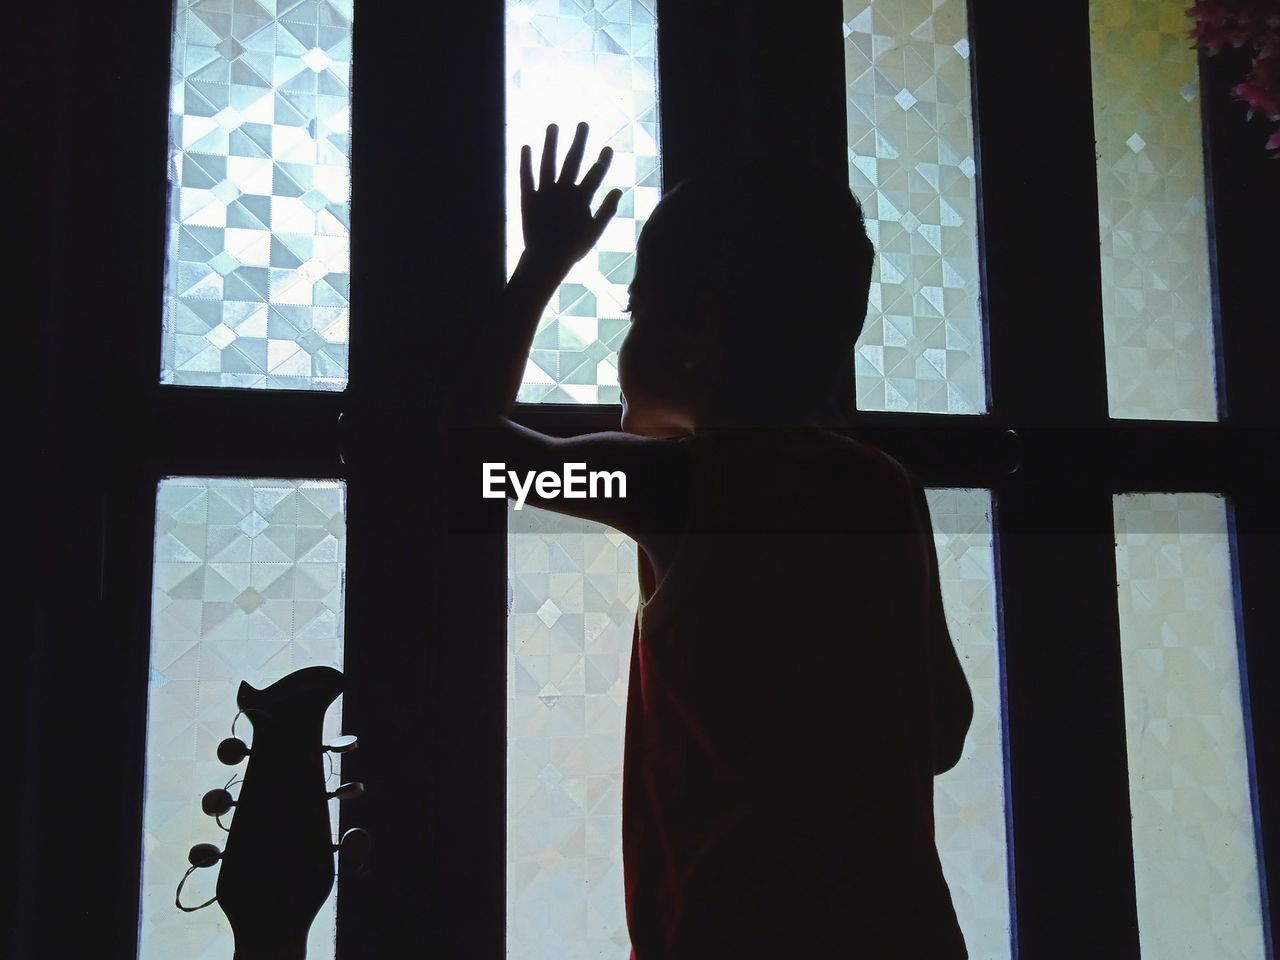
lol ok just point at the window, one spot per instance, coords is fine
(911, 161)
(1156, 314)
(257, 278)
(565, 64)
(1004, 386)
(1190, 785)
(247, 585)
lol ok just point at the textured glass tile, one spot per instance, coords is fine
(247, 585)
(592, 60)
(911, 163)
(573, 600)
(259, 180)
(969, 807)
(1195, 861)
(1156, 314)
(574, 590)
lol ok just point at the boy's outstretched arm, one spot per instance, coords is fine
(559, 230)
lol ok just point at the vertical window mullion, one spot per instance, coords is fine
(1071, 848)
(425, 611)
(1039, 216)
(1068, 772)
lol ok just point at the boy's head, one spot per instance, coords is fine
(750, 290)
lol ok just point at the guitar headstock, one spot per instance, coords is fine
(278, 861)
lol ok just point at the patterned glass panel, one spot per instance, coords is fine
(969, 808)
(910, 135)
(1195, 860)
(573, 601)
(247, 585)
(592, 60)
(1156, 313)
(256, 286)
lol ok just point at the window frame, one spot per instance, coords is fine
(426, 562)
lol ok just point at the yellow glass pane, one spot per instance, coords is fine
(1156, 308)
(1195, 858)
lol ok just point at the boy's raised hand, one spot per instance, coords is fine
(559, 228)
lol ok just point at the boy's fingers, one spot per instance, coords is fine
(526, 170)
(608, 207)
(591, 182)
(573, 159)
(547, 172)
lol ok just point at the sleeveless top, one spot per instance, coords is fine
(777, 779)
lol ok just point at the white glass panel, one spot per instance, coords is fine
(592, 60)
(1195, 860)
(969, 805)
(573, 601)
(259, 178)
(247, 585)
(911, 162)
(1156, 315)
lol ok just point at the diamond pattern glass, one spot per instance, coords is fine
(574, 590)
(572, 608)
(259, 177)
(1156, 309)
(247, 585)
(1195, 858)
(969, 802)
(592, 60)
(911, 163)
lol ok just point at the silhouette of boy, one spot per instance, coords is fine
(793, 687)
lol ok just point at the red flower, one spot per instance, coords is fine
(1258, 99)
(1240, 23)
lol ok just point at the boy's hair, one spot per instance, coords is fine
(785, 251)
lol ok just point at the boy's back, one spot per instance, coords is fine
(784, 721)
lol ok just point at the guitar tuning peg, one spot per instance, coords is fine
(354, 846)
(216, 802)
(348, 791)
(232, 750)
(203, 855)
(344, 744)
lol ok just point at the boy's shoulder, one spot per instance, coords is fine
(889, 465)
(867, 459)
(809, 455)
(883, 485)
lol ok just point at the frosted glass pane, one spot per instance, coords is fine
(910, 135)
(592, 60)
(247, 585)
(259, 180)
(1156, 314)
(1195, 861)
(969, 808)
(573, 600)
